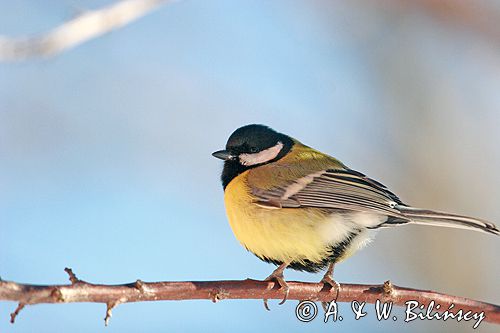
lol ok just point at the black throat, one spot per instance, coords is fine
(233, 168)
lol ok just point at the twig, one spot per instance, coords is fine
(109, 307)
(87, 26)
(14, 314)
(139, 291)
(72, 276)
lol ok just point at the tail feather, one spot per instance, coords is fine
(430, 217)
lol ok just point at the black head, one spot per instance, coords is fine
(251, 146)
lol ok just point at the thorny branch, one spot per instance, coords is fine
(139, 291)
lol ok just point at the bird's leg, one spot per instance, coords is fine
(277, 275)
(328, 280)
(328, 277)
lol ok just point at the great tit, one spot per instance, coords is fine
(296, 207)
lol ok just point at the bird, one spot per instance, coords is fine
(296, 207)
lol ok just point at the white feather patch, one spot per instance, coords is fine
(299, 184)
(337, 228)
(262, 156)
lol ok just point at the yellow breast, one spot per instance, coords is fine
(279, 234)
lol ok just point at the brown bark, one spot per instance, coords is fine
(139, 291)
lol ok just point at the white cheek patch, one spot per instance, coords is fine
(262, 156)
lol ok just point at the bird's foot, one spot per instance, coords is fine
(278, 277)
(328, 280)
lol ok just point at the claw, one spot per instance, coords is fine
(286, 289)
(325, 306)
(266, 306)
(277, 276)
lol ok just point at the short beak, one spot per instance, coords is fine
(223, 155)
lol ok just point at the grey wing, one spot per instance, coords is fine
(334, 189)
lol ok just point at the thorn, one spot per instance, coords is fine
(14, 314)
(72, 276)
(109, 307)
(388, 288)
(139, 285)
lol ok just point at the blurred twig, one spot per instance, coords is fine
(139, 291)
(476, 16)
(85, 27)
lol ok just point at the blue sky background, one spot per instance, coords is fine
(106, 166)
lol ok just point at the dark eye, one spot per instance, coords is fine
(253, 149)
